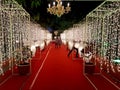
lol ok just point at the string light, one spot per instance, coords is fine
(104, 23)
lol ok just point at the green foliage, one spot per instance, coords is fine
(35, 3)
(36, 17)
(22, 2)
(65, 24)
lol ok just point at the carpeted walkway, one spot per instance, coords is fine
(55, 71)
(61, 73)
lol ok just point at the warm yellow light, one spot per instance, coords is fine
(58, 9)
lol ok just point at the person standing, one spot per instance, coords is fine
(59, 42)
(73, 48)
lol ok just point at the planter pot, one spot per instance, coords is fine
(24, 68)
(89, 68)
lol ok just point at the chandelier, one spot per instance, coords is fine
(58, 9)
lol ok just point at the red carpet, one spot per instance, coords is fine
(101, 83)
(55, 71)
(61, 73)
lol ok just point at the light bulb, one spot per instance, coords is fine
(49, 5)
(68, 4)
(54, 3)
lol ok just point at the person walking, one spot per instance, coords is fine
(73, 48)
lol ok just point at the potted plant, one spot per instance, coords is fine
(24, 57)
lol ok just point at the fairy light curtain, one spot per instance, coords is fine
(78, 31)
(48, 37)
(69, 34)
(39, 36)
(14, 21)
(63, 37)
(103, 26)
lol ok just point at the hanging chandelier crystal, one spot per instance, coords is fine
(58, 9)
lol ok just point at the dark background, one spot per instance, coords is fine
(39, 14)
